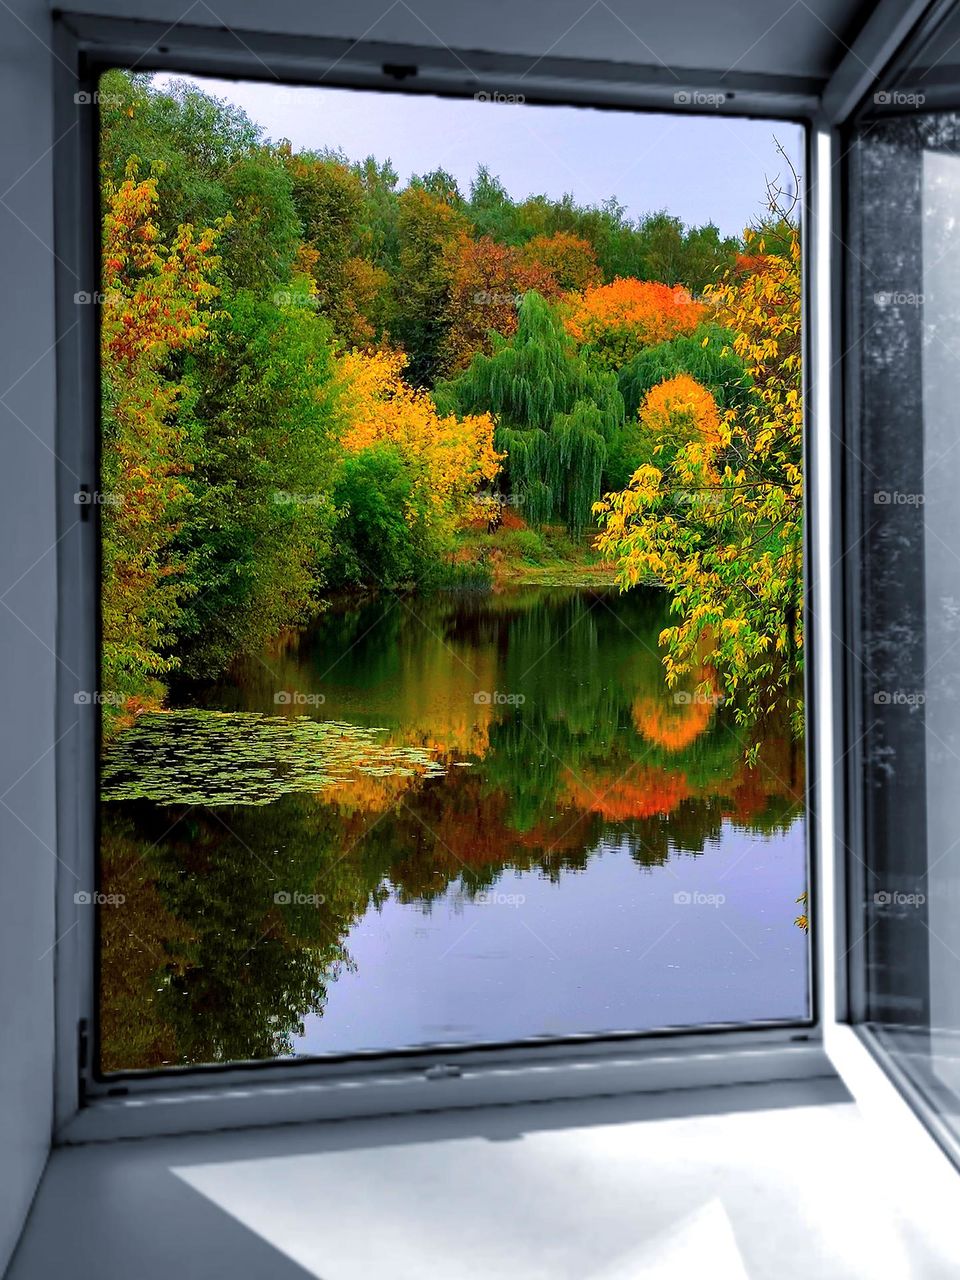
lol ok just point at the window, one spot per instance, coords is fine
(904, 598)
(390, 755)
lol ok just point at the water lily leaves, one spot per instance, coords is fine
(206, 757)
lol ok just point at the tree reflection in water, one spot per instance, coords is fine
(518, 731)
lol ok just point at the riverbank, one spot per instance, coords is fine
(516, 555)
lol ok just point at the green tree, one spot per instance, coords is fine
(556, 414)
(261, 441)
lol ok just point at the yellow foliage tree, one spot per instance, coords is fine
(449, 457)
(719, 522)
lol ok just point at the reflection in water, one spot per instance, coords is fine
(497, 843)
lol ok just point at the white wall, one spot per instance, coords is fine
(28, 610)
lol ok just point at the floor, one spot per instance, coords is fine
(738, 1183)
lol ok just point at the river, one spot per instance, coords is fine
(453, 818)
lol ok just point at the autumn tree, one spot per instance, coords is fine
(435, 462)
(707, 356)
(157, 296)
(431, 232)
(614, 322)
(723, 533)
(487, 282)
(570, 259)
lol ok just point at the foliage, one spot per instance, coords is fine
(569, 259)
(446, 456)
(380, 538)
(487, 284)
(156, 298)
(432, 233)
(555, 415)
(261, 440)
(731, 557)
(614, 321)
(706, 354)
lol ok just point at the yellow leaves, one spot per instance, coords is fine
(720, 527)
(450, 456)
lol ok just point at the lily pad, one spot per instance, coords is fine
(244, 757)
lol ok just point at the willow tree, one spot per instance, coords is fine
(556, 415)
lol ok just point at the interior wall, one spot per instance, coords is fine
(28, 535)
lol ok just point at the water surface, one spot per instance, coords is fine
(455, 818)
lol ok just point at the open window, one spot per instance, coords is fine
(419, 730)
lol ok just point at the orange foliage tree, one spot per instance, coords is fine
(617, 320)
(154, 300)
(487, 284)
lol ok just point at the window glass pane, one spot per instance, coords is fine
(906, 652)
(393, 753)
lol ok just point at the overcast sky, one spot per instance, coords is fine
(701, 168)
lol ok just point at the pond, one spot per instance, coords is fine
(452, 818)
